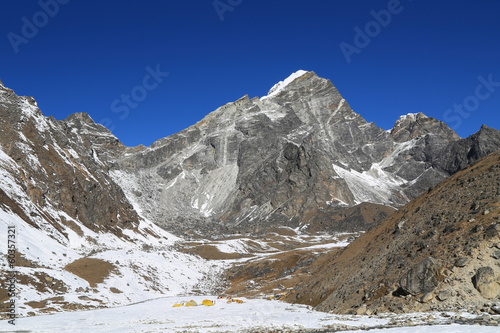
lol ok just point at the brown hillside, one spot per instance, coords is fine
(455, 224)
(92, 270)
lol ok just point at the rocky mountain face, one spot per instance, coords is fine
(55, 163)
(440, 251)
(295, 157)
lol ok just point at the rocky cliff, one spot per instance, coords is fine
(57, 165)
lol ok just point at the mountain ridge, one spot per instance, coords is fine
(80, 244)
(290, 138)
(290, 158)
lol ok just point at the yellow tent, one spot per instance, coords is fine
(178, 305)
(191, 303)
(207, 302)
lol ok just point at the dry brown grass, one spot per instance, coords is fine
(115, 290)
(92, 270)
(279, 271)
(210, 252)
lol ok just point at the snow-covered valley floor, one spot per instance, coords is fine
(158, 314)
(254, 315)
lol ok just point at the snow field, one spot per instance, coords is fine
(159, 315)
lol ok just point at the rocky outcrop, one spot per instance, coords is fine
(421, 279)
(485, 281)
(457, 155)
(58, 165)
(413, 125)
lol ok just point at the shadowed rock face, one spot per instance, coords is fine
(295, 157)
(458, 154)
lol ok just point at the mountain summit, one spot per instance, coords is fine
(278, 87)
(295, 157)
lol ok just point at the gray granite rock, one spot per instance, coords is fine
(292, 157)
(485, 282)
(421, 279)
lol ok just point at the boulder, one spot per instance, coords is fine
(443, 295)
(421, 279)
(485, 282)
(462, 262)
(492, 231)
(361, 310)
(427, 298)
(496, 254)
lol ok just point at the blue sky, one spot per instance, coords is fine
(437, 57)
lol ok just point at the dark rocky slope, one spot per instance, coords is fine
(79, 242)
(442, 250)
(56, 163)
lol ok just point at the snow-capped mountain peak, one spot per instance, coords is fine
(278, 87)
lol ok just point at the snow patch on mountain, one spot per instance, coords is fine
(398, 149)
(128, 183)
(242, 246)
(30, 110)
(280, 86)
(274, 115)
(374, 185)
